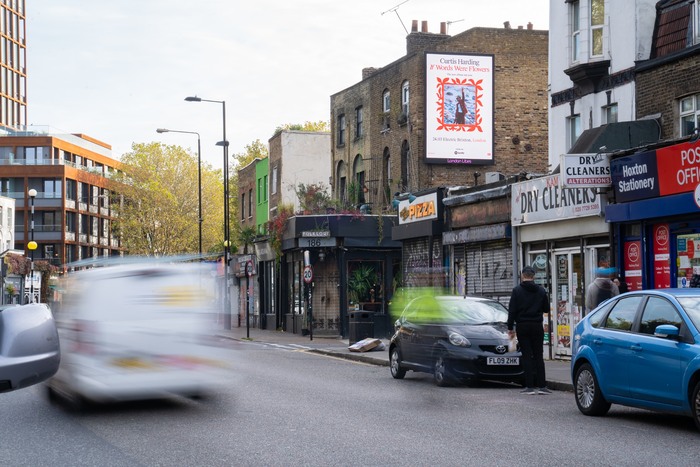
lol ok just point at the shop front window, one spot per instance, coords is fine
(365, 285)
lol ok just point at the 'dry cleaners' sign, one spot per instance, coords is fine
(544, 200)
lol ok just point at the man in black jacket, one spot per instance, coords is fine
(528, 302)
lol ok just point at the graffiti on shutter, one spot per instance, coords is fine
(490, 270)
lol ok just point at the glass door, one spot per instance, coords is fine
(567, 298)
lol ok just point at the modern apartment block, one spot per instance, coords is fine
(73, 217)
(13, 64)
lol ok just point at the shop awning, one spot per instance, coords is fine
(617, 136)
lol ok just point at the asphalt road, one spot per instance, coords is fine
(289, 407)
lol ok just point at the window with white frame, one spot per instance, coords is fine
(386, 108)
(573, 127)
(575, 31)
(610, 113)
(404, 98)
(273, 187)
(597, 21)
(359, 131)
(341, 130)
(690, 114)
(696, 21)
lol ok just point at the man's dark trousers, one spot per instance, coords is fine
(531, 340)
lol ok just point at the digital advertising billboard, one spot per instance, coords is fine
(459, 106)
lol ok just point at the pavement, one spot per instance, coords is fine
(557, 371)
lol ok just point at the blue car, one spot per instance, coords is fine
(640, 349)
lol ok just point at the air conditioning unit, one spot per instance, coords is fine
(492, 177)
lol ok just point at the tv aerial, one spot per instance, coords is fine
(450, 22)
(395, 10)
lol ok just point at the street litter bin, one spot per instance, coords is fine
(361, 325)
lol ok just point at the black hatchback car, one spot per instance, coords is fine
(457, 339)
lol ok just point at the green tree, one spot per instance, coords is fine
(320, 125)
(159, 214)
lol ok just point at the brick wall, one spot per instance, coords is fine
(659, 90)
(246, 183)
(520, 113)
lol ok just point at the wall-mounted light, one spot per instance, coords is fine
(321, 255)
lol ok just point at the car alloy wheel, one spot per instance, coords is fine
(695, 404)
(441, 372)
(395, 364)
(589, 399)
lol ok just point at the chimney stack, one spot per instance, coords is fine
(424, 26)
(506, 24)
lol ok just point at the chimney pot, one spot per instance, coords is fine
(520, 27)
(506, 24)
(529, 26)
(424, 26)
(443, 28)
(414, 25)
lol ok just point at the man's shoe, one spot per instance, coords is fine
(543, 391)
(528, 391)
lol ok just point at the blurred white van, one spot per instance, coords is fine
(137, 331)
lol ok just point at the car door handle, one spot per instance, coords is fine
(597, 341)
(635, 347)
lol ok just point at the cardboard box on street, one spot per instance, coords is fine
(365, 345)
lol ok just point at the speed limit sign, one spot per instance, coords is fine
(308, 274)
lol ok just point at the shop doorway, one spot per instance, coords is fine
(566, 295)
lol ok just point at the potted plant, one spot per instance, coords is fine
(361, 281)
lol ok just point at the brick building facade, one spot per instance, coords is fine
(380, 146)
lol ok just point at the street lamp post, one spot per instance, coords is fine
(199, 176)
(224, 143)
(31, 246)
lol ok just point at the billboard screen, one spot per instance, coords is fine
(459, 109)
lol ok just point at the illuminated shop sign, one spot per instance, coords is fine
(422, 208)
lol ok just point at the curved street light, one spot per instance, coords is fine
(199, 176)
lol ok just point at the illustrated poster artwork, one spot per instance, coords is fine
(461, 90)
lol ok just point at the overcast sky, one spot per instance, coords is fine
(117, 70)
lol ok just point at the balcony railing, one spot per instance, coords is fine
(103, 171)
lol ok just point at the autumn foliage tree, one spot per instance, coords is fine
(159, 213)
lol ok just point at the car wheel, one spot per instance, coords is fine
(441, 370)
(695, 404)
(395, 364)
(589, 399)
(51, 395)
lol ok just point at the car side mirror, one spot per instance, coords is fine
(666, 331)
(29, 347)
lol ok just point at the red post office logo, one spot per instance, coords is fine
(633, 252)
(661, 234)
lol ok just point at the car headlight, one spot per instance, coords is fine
(459, 340)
